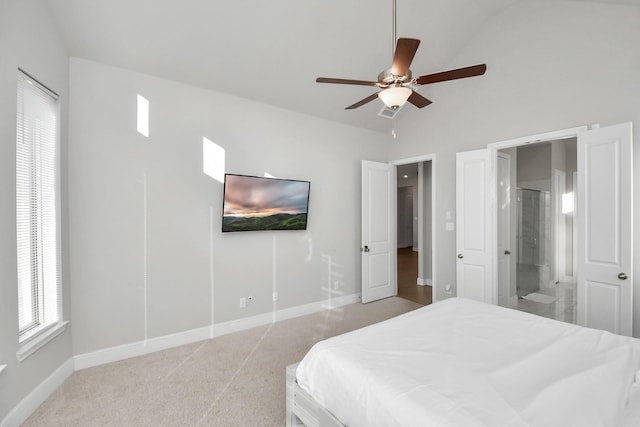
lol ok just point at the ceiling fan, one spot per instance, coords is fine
(396, 81)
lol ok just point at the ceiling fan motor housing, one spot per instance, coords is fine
(387, 78)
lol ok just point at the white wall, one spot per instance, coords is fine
(148, 256)
(550, 65)
(27, 40)
(407, 198)
(534, 167)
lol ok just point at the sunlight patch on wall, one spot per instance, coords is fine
(143, 115)
(213, 160)
(268, 175)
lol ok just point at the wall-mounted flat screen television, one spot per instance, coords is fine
(253, 203)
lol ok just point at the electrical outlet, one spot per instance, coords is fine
(243, 302)
(275, 296)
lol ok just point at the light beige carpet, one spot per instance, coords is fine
(233, 380)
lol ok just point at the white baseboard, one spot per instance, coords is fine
(33, 400)
(424, 282)
(284, 314)
(139, 348)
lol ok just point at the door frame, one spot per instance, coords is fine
(504, 285)
(420, 201)
(559, 227)
(518, 142)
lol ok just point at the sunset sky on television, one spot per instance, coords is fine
(255, 196)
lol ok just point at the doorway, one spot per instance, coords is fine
(537, 226)
(413, 223)
(379, 214)
(603, 230)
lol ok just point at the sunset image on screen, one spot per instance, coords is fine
(255, 203)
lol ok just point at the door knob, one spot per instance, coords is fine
(365, 249)
(460, 256)
(507, 252)
(622, 276)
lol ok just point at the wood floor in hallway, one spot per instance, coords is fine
(408, 287)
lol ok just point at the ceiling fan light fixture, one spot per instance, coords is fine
(395, 96)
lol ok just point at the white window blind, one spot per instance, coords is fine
(36, 208)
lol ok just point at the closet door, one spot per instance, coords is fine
(475, 260)
(605, 279)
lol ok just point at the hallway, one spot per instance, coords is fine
(407, 278)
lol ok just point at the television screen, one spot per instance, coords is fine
(253, 203)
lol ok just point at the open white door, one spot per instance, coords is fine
(605, 281)
(378, 234)
(474, 271)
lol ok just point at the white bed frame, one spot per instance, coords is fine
(302, 409)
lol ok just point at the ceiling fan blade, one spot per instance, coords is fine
(362, 102)
(405, 51)
(345, 81)
(418, 100)
(460, 73)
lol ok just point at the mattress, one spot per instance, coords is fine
(464, 363)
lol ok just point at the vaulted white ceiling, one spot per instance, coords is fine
(272, 51)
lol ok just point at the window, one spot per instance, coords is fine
(39, 307)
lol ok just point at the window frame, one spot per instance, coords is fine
(44, 298)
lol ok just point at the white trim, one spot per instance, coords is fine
(546, 136)
(40, 393)
(139, 348)
(38, 341)
(125, 351)
(516, 142)
(574, 226)
(434, 187)
(416, 159)
(424, 282)
(558, 224)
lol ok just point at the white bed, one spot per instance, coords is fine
(463, 363)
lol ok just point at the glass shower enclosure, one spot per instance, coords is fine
(533, 229)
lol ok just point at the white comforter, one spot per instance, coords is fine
(463, 363)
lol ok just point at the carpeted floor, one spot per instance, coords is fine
(233, 380)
